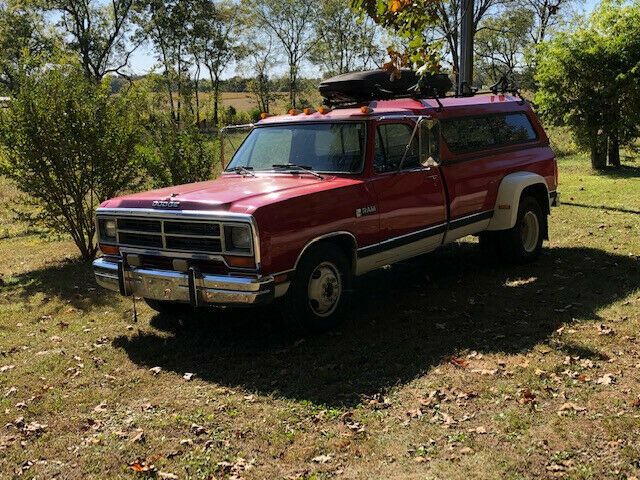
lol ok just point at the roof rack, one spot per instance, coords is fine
(361, 88)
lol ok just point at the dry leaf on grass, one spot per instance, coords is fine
(155, 370)
(459, 362)
(167, 476)
(605, 330)
(138, 437)
(570, 407)
(606, 379)
(6, 368)
(140, 466)
(102, 407)
(321, 459)
(188, 376)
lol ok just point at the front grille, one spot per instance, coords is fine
(171, 234)
(138, 225)
(140, 240)
(194, 244)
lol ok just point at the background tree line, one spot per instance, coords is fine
(81, 127)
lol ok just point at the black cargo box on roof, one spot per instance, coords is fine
(362, 87)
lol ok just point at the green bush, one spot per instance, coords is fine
(177, 154)
(69, 144)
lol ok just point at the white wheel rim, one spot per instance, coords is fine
(529, 231)
(325, 289)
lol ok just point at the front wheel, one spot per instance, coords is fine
(318, 296)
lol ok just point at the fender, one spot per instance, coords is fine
(506, 207)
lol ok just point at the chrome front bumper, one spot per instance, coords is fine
(187, 287)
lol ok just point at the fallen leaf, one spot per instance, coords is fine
(102, 407)
(155, 370)
(6, 368)
(139, 437)
(527, 397)
(197, 429)
(188, 376)
(459, 362)
(605, 330)
(606, 379)
(167, 476)
(567, 407)
(321, 459)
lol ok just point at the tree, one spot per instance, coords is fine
(68, 144)
(502, 44)
(292, 23)
(216, 33)
(99, 33)
(24, 44)
(168, 25)
(408, 20)
(261, 60)
(346, 41)
(589, 79)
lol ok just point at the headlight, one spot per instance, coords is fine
(108, 229)
(238, 238)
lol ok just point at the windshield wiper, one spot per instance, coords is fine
(304, 168)
(243, 170)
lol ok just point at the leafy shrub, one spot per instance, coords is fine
(69, 144)
(178, 154)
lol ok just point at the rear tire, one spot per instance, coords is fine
(318, 297)
(523, 242)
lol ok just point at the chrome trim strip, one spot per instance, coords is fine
(435, 228)
(469, 219)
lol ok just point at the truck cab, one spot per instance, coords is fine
(312, 199)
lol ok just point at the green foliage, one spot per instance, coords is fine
(589, 80)
(24, 44)
(178, 154)
(408, 19)
(69, 144)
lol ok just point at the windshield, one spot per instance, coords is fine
(323, 147)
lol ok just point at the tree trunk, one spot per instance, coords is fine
(614, 150)
(216, 99)
(598, 152)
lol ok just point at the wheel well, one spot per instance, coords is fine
(540, 193)
(344, 241)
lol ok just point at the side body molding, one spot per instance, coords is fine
(507, 201)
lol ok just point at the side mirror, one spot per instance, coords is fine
(429, 142)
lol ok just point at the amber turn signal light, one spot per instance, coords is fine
(240, 262)
(109, 249)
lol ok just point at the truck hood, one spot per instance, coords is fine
(234, 193)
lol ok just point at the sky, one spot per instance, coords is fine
(143, 60)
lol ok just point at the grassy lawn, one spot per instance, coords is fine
(449, 368)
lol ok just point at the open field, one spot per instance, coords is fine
(450, 367)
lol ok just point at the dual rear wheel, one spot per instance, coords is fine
(523, 242)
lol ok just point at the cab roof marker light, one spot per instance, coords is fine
(309, 111)
(264, 115)
(366, 110)
(323, 110)
(293, 112)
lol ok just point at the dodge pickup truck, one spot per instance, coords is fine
(312, 199)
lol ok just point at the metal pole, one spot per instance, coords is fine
(466, 48)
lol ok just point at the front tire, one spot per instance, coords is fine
(318, 296)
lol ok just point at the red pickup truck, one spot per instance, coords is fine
(312, 199)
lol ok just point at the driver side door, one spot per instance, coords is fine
(410, 195)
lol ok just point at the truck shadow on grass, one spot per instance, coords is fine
(406, 320)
